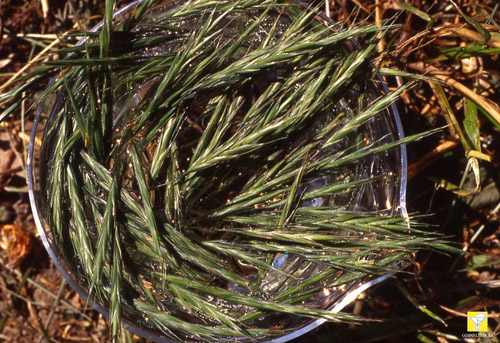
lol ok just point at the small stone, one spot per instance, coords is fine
(5, 214)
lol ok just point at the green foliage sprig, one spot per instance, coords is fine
(204, 163)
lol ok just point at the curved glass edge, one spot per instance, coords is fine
(402, 151)
(351, 296)
(145, 333)
(348, 298)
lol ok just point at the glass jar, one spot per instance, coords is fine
(373, 182)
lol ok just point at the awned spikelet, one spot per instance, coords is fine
(221, 169)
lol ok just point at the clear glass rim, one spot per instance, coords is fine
(347, 298)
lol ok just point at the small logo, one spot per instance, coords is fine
(477, 321)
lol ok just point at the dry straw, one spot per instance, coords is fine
(202, 163)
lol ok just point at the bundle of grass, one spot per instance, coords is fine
(219, 169)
